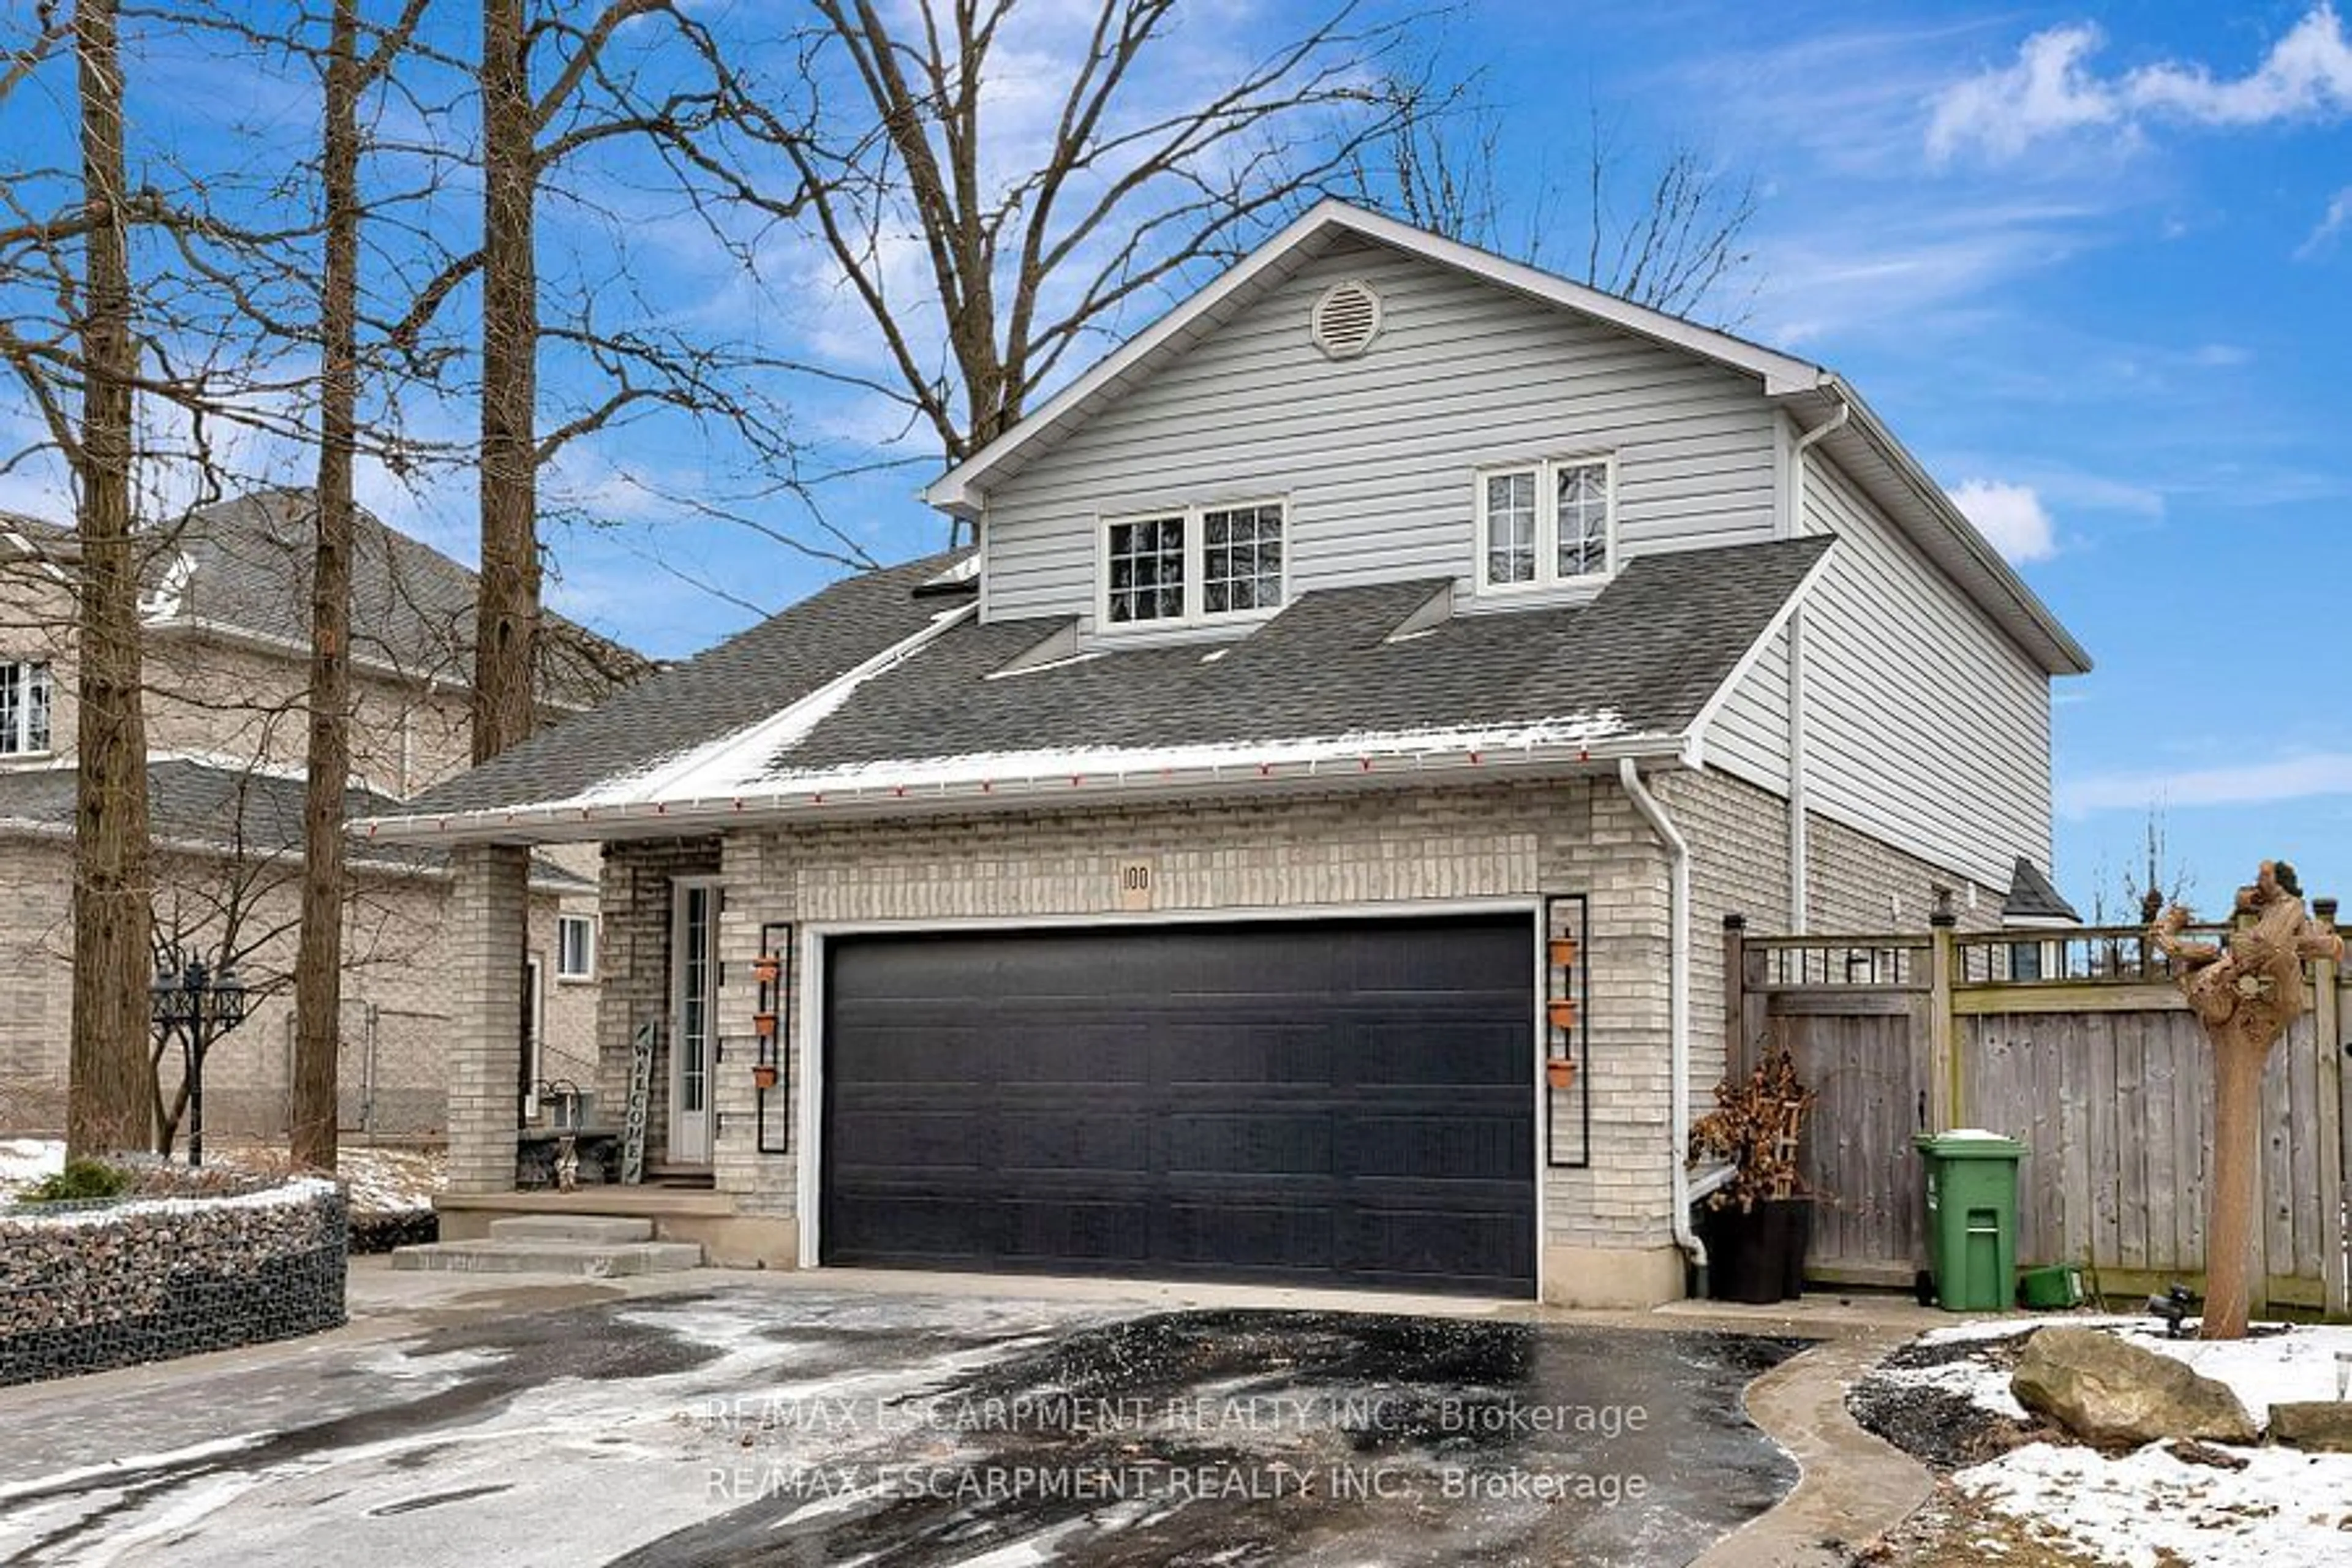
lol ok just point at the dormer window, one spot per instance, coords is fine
(1194, 564)
(1547, 524)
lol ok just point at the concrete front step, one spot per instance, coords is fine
(595, 1229)
(591, 1260)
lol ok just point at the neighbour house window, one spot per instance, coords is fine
(24, 708)
(575, 947)
(1547, 522)
(1199, 564)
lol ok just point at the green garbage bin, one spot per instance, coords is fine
(1971, 1218)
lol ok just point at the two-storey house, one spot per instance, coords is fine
(1293, 845)
(225, 638)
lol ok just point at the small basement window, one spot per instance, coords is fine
(1543, 525)
(575, 947)
(1199, 564)
(24, 708)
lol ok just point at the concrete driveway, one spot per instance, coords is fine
(755, 1420)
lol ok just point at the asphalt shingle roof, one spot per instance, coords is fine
(234, 810)
(741, 681)
(412, 607)
(1648, 653)
(2030, 896)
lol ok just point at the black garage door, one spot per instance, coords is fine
(1310, 1103)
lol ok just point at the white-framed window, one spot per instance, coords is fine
(1542, 524)
(24, 708)
(1190, 565)
(575, 947)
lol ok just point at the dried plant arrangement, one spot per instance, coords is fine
(1755, 1124)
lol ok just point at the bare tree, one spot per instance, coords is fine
(886, 132)
(319, 977)
(110, 892)
(1670, 235)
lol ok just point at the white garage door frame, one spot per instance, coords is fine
(810, 1165)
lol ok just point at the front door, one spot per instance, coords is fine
(693, 1026)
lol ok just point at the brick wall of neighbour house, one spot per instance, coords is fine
(207, 695)
(397, 980)
(1391, 847)
(634, 968)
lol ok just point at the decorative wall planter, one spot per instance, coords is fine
(764, 1025)
(1561, 1011)
(763, 1076)
(1559, 1072)
(1562, 950)
(767, 968)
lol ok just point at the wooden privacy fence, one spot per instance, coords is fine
(2075, 1041)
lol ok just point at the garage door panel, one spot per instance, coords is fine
(1248, 1143)
(1063, 1140)
(1248, 1238)
(1315, 1103)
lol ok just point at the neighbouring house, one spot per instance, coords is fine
(225, 618)
(1294, 844)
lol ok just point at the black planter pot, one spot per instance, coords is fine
(1794, 1219)
(1745, 1253)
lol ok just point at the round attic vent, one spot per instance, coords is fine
(1346, 319)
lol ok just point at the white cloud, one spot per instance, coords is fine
(2333, 222)
(2012, 516)
(2246, 784)
(2046, 92)
(2051, 89)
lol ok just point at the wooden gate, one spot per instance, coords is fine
(2076, 1042)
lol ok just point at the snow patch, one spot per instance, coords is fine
(2285, 1510)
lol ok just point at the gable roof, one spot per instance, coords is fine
(243, 567)
(2032, 901)
(1350, 682)
(1813, 395)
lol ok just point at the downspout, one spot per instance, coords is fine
(1799, 832)
(1679, 900)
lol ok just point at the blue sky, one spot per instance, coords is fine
(2093, 263)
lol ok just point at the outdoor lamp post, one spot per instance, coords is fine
(196, 1006)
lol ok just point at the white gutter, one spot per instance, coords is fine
(1678, 1006)
(1800, 834)
(820, 797)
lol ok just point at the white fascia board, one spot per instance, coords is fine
(1695, 754)
(958, 491)
(821, 799)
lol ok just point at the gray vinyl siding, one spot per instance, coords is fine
(1925, 726)
(1376, 455)
(1749, 736)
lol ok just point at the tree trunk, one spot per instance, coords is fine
(507, 614)
(317, 968)
(108, 1099)
(2237, 1161)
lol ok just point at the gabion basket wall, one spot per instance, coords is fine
(85, 1287)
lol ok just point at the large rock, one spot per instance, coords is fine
(2114, 1394)
(2322, 1427)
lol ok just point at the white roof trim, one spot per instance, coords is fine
(959, 491)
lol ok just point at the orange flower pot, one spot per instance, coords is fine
(1559, 1072)
(766, 968)
(764, 1076)
(1563, 952)
(764, 1025)
(1561, 1011)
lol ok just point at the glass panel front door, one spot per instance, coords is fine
(693, 1021)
